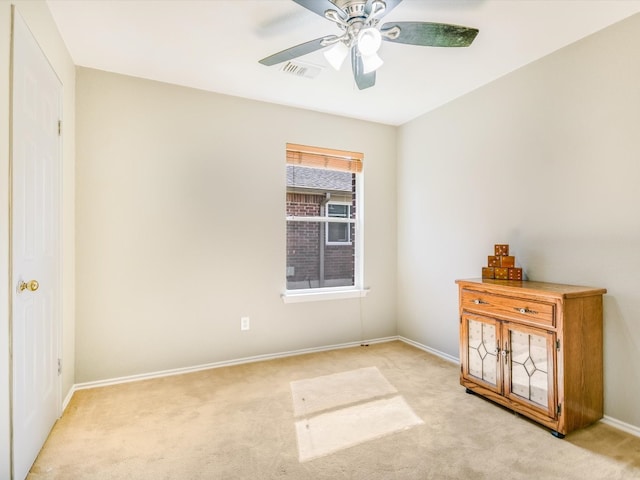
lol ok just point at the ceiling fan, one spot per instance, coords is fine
(362, 36)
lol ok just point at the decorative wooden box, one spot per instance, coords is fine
(488, 272)
(493, 261)
(515, 274)
(501, 273)
(507, 261)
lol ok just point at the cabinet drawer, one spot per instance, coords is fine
(518, 308)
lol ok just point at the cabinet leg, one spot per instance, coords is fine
(557, 434)
(470, 392)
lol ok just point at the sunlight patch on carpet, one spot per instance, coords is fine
(346, 409)
(329, 432)
(317, 394)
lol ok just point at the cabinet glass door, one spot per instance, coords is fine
(531, 366)
(480, 347)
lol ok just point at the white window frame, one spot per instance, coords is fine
(334, 293)
(338, 220)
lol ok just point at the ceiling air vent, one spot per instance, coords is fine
(300, 69)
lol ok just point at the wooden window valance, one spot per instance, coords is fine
(317, 157)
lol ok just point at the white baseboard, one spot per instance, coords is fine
(625, 427)
(226, 363)
(67, 399)
(613, 422)
(437, 353)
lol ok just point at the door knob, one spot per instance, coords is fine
(31, 285)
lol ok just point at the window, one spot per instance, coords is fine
(338, 233)
(323, 228)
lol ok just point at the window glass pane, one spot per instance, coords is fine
(338, 232)
(336, 210)
(313, 264)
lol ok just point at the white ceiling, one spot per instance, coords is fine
(215, 45)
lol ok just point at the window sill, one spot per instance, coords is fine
(315, 296)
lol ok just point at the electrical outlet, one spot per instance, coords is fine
(244, 323)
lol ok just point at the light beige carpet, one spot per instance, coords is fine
(238, 423)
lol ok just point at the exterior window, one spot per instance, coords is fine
(323, 229)
(338, 233)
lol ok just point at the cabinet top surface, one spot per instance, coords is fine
(522, 286)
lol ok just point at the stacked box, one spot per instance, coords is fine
(493, 261)
(507, 261)
(488, 272)
(501, 273)
(515, 274)
(501, 265)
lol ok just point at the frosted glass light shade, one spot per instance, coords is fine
(336, 55)
(369, 41)
(371, 63)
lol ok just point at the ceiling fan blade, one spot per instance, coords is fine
(363, 80)
(390, 5)
(294, 52)
(321, 6)
(430, 34)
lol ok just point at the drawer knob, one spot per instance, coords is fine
(525, 310)
(479, 301)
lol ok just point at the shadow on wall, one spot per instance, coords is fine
(614, 319)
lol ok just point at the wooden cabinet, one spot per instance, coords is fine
(535, 348)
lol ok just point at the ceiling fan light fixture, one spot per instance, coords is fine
(370, 63)
(369, 41)
(336, 55)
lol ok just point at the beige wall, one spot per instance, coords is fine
(39, 20)
(547, 160)
(181, 230)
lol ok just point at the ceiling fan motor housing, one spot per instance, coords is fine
(357, 19)
(353, 8)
